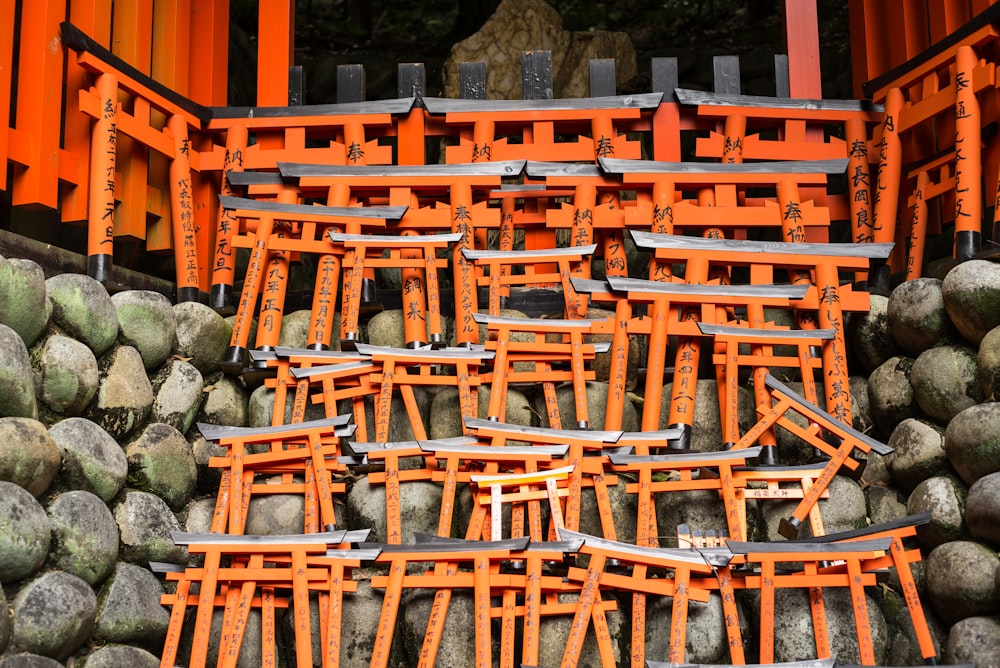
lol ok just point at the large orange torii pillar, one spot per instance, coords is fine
(275, 51)
(802, 44)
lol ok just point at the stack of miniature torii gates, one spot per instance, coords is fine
(534, 193)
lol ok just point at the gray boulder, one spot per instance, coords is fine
(974, 641)
(125, 395)
(706, 640)
(25, 533)
(6, 623)
(178, 394)
(885, 504)
(706, 427)
(17, 388)
(972, 441)
(54, 615)
(146, 321)
(129, 610)
(419, 501)
(24, 305)
(295, 329)
(115, 656)
(597, 401)
(400, 428)
(275, 515)
(250, 655)
(28, 660)
(66, 375)
(918, 453)
(554, 633)
(84, 536)
(971, 293)
(844, 510)
(260, 408)
(83, 309)
(199, 516)
(890, 394)
(982, 509)
(225, 401)
(446, 412)
(988, 365)
(961, 580)
(209, 476)
(202, 336)
(944, 382)
(144, 524)
(91, 459)
(944, 497)
(28, 455)
(917, 316)
(457, 646)
(160, 461)
(386, 329)
(868, 334)
(793, 629)
(699, 509)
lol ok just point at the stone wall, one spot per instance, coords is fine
(99, 462)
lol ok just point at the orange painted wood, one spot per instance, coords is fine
(208, 62)
(132, 33)
(275, 51)
(802, 41)
(39, 103)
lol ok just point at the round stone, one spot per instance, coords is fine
(890, 394)
(974, 641)
(91, 459)
(54, 615)
(944, 497)
(130, 610)
(202, 336)
(971, 293)
(160, 460)
(66, 374)
(17, 387)
(918, 452)
(982, 509)
(28, 455)
(25, 533)
(868, 334)
(144, 524)
(917, 316)
(147, 323)
(972, 441)
(988, 365)
(961, 580)
(84, 536)
(944, 382)
(83, 309)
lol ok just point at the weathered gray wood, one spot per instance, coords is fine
(807, 663)
(528, 323)
(665, 78)
(529, 255)
(291, 210)
(550, 435)
(681, 458)
(214, 432)
(796, 548)
(346, 108)
(817, 412)
(412, 79)
(426, 355)
(472, 81)
(537, 169)
(469, 447)
(397, 241)
(298, 373)
(784, 291)
(727, 74)
(772, 249)
(507, 168)
(350, 83)
(296, 86)
(640, 553)
(322, 538)
(699, 97)
(621, 166)
(442, 105)
(536, 75)
(602, 77)
(455, 545)
(759, 333)
(782, 88)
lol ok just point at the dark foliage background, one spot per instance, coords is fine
(381, 33)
